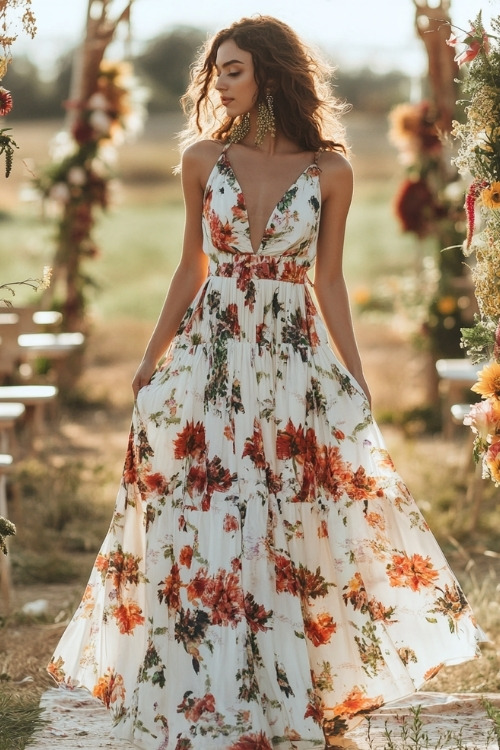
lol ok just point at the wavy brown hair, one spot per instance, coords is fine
(305, 108)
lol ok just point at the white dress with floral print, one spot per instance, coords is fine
(266, 575)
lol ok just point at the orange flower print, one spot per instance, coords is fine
(109, 688)
(128, 615)
(256, 741)
(186, 556)
(221, 233)
(55, 668)
(323, 529)
(375, 520)
(432, 672)
(356, 702)
(355, 592)
(171, 591)
(320, 630)
(413, 572)
(190, 441)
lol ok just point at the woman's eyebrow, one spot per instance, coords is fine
(230, 62)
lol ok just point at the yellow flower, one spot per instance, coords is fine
(488, 384)
(490, 196)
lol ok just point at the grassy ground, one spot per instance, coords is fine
(67, 488)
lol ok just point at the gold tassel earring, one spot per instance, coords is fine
(266, 122)
(240, 130)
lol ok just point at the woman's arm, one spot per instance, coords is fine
(191, 271)
(329, 284)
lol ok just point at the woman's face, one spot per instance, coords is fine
(235, 79)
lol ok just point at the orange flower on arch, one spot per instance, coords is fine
(412, 572)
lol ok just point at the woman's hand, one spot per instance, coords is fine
(143, 376)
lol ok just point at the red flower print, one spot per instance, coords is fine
(196, 480)
(129, 470)
(194, 708)
(230, 523)
(5, 101)
(291, 443)
(293, 272)
(254, 447)
(197, 586)
(256, 741)
(320, 630)
(171, 591)
(190, 441)
(239, 210)
(315, 710)
(256, 614)
(186, 556)
(127, 616)
(274, 482)
(413, 572)
(109, 688)
(156, 483)
(286, 575)
(224, 598)
(219, 479)
(266, 269)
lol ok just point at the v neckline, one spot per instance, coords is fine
(225, 158)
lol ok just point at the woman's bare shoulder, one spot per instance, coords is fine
(202, 151)
(335, 164)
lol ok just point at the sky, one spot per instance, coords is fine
(355, 33)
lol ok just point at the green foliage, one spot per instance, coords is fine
(20, 718)
(7, 146)
(7, 528)
(479, 342)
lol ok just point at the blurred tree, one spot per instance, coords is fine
(165, 64)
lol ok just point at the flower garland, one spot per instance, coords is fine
(8, 36)
(479, 158)
(78, 181)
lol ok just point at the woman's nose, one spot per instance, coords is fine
(219, 84)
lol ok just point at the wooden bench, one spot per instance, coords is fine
(33, 397)
(455, 377)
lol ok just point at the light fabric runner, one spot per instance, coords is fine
(76, 720)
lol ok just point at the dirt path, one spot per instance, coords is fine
(75, 720)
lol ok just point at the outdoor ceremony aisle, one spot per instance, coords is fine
(448, 722)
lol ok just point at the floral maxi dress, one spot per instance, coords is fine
(266, 575)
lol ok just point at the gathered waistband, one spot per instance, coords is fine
(247, 266)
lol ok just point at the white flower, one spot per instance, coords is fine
(77, 176)
(98, 101)
(60, 192)
(100, 122)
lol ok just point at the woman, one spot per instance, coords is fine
(266, 576)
